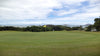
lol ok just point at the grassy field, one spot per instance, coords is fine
(59, 43)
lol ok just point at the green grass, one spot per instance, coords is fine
(59, 43)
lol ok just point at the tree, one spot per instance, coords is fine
(75, 28)
(1, 28)
(68, 29)
(97, 24)
(59, 27)
(81, 28)
(35, 29)
(89, 28)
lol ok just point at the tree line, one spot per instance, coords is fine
(34, 28)
(96, 25)
(40, 28)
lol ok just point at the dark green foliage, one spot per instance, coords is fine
(59, 27)
(38, 28)
(75, 28)
(68, 28)
(50, 27)
(34, 28)
(97, 24)
(4, 28)
(1, 28)
(89, 28)
(81, 28)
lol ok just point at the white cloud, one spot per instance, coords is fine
(72, 2)
(64, 12)
(26, 9)
(80, 16)
(91, 11)
(94, 1)
(40, 9)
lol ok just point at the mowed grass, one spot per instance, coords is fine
(59, 43)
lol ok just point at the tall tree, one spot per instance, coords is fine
(89, 28)
(97, 24)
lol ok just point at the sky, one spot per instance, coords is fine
(39, 12)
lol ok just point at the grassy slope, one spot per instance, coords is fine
(72, 43)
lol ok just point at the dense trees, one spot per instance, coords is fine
(36, 28)
(77, 28)
(96, 25)
(4, 28)
(89, 28)
(39, 28)
(33, 29)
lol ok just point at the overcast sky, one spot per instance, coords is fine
(30, 12)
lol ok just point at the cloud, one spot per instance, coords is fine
(26, 9)
(21, 11)
(64, 12)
